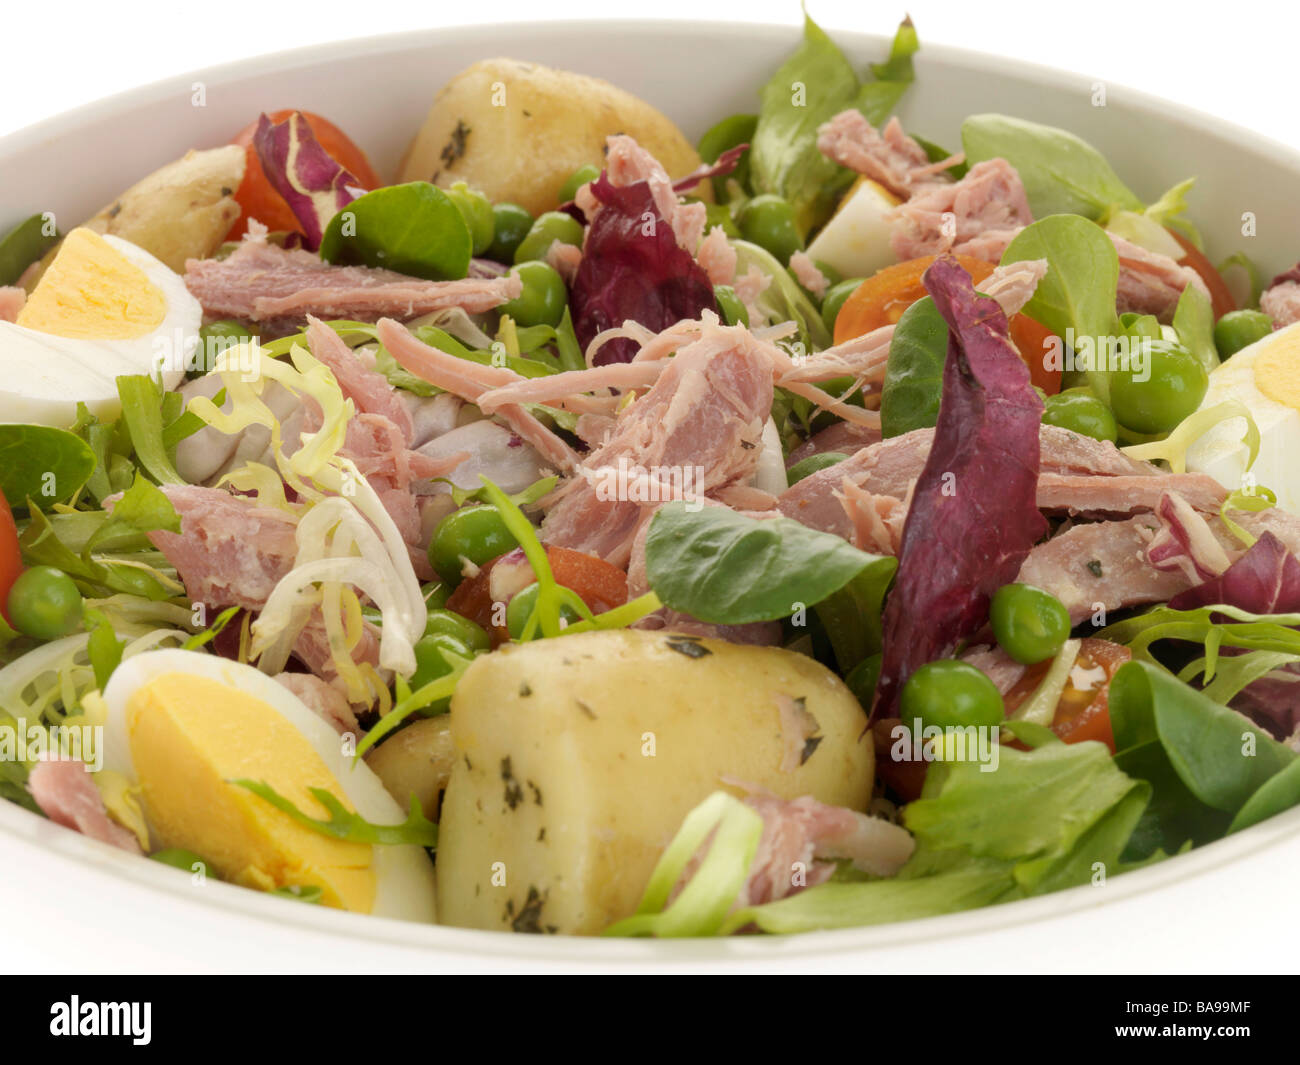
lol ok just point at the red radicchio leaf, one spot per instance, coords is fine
(1185, 541)
(1265, 580)
(1287, 275)
(312, 182)
(973, 516)
(1272, 702)
(633, 268)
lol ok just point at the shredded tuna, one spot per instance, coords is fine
(557, 388)
(470, 380)
(807, 274)
(978, 215)
(67, 795)
(702, 419)
(1281, 300)
(229, 552)
(1085, 494)
(889, 157)
(1151, 283)
(323, 699)
(1003, 670)
(876, 521)
(717, 257)
(12, 299)
(564, 259)
(802, 837)
(264, 283)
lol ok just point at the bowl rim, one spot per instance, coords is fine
(25, 829)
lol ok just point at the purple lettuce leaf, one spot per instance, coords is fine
(312, 182)
(1265, 580)
(973, 516)
(633, 268)
(1272, 702)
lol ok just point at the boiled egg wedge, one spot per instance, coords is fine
(103, 309)
(183, 726)
(856, 239)
(1265, 378)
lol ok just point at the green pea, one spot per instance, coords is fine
(435, 595)
(510, 224)
(44, 603)
(178, 858)
(543, 298)
(1171, 388)
(768, 221)
(729, 304)
(432, 664)
(477, 211)
(521, 609)
(836, 296)
(1239, 329)
(1028, 623)
(577, 179)
(449, 623)
(477, 533)
(549, 227)
(731, 131)
(950, 693)
(1080, 411)
(812, 464)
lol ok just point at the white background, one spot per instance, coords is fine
(1236, 60)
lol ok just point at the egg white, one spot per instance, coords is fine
(856, 240)
(43, 376)
(1221, 454)
(404, 877)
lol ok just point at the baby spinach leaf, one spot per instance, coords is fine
(783, 300)
(43, 464)
(1078, 291)
(1194, 323)
(1219, 755)
(24, 244)
(414, 229)
(914, 372)
(728, 569)
(1062, 173)
(813, 85)
(1280, 792)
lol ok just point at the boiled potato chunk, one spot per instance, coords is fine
(577, 759)
(416, 761)
(517, 131)
(181, 211)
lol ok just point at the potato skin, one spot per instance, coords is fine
(551, 123)
(554, 791)
(181, 211)
(416, 761)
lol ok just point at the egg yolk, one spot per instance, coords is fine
(190, 738)
(93, 292)
(1277, 369)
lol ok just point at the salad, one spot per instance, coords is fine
(589, 532)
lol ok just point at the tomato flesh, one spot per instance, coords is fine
(1082, 713)
(11, 559)
(598, 584)
(883, 297)
(256, 195)
(1220, 295)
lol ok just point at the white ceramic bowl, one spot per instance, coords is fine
(77, 905)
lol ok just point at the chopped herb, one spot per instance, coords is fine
(1094, 567)
(688, 646)
(455, 148)
(524, 690)
(529, 918)
(810, 747)
(514, 794)
(586, 709)
(537, 792)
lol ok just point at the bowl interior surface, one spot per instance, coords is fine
(379, 89)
